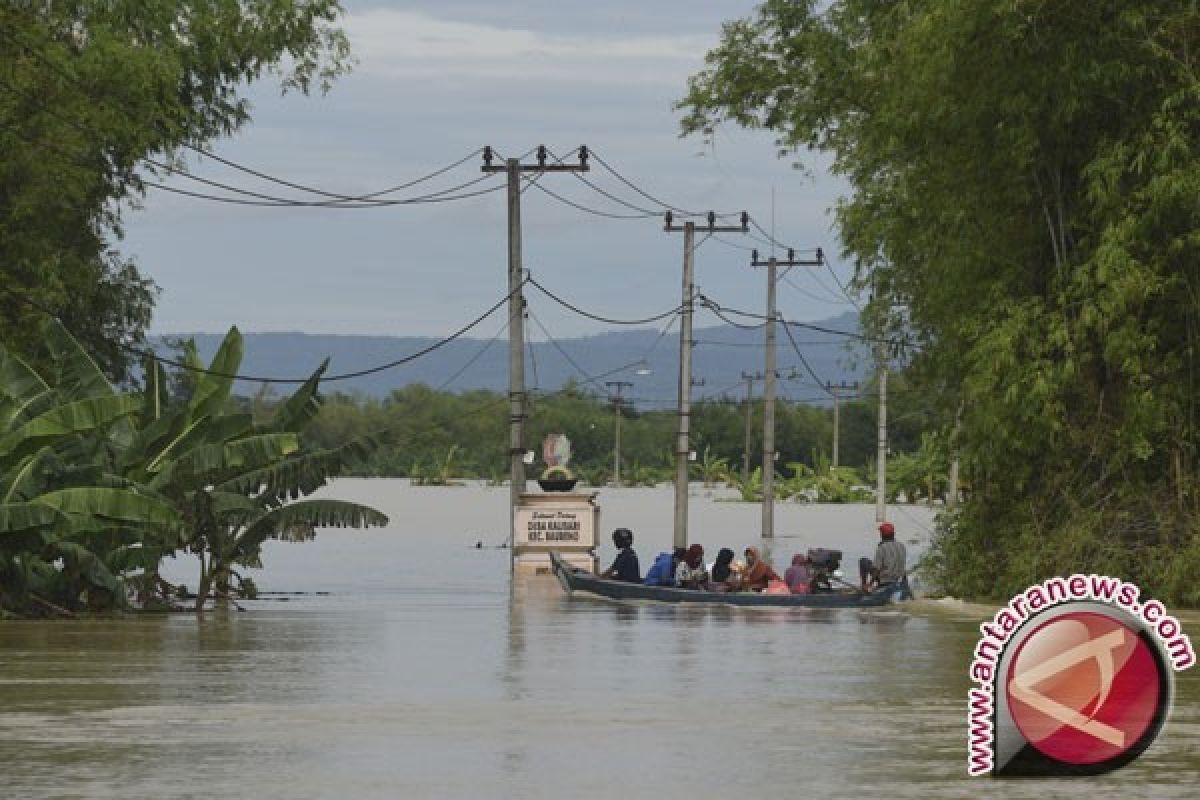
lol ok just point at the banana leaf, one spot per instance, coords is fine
(297, 521)
(80, 416)
(212, 388)
(18, 380)
(251, 452)
(78, 374)
(302, 474)
(25, 516)
(155, 393)
(297, 411)
(114, 504)
(20, 481)
(87, 563)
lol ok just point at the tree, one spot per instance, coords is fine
(88, 90)
(97, 486)
(1023, 180)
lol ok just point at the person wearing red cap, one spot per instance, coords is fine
(890, 560)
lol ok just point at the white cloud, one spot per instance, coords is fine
(413, 45)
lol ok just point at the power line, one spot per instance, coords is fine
(582, 372)
(682, 212)
(348, 198)
(435, 197)
(804, 361)
(258, 198)
(720, 311)
(341, 200)
(587, 209)
(150, 354)
(828, 299)
(474, 358)
(565, 304)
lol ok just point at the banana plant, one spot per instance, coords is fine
(234, 482)
(62, 508)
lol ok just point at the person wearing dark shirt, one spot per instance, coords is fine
(625, 565)
(721, 571)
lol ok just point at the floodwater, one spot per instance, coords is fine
(425, 673)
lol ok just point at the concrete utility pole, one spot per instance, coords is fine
(952, 489)
(749, 378)
(881, 455)
(836, 390)
(682, 444)
(516, 315)
(616, 399)
(768, 476)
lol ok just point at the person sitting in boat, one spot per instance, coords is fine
(758, 572)
(690, 572)
(721, 577)
(625, 565)
(662, 571)
(889, 564)
(799, 575)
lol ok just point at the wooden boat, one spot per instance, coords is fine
(577, 580)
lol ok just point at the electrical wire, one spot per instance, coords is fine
(359, 201)
(827, 300)
(561, 351)
(608, 320)
(667, 206)
(349, 198)
(586, 209)
(718, 309)
(150, 354)
(436, 197)
(474, 358)
(804, 361)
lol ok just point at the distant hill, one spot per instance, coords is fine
(720, 356)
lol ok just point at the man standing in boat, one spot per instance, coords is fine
(625, 565)
(889, 565)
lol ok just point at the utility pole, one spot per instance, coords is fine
(616, 399)
(952, 489)
(768, 477)
(749, 378)
(836, 390)
(682, 443)
(516, 316)
(881, 455)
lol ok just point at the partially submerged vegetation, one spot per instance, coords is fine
(98, 485)
(1023, 209)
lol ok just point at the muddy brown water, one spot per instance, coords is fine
(424, 672)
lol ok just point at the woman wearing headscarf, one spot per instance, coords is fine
(758, 572)
(722, 571)
(690, 573)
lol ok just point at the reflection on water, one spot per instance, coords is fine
(426, 674)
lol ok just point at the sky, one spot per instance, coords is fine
(436, 81)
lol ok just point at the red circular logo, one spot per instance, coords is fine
(1085, 688)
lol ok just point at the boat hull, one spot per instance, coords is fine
(574, 580)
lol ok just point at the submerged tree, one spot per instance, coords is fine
(1024, 179)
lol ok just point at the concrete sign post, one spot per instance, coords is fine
(565, 522)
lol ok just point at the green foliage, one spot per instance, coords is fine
(1024, 179)
(90, 89)
(712, 469)
(96, 487)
